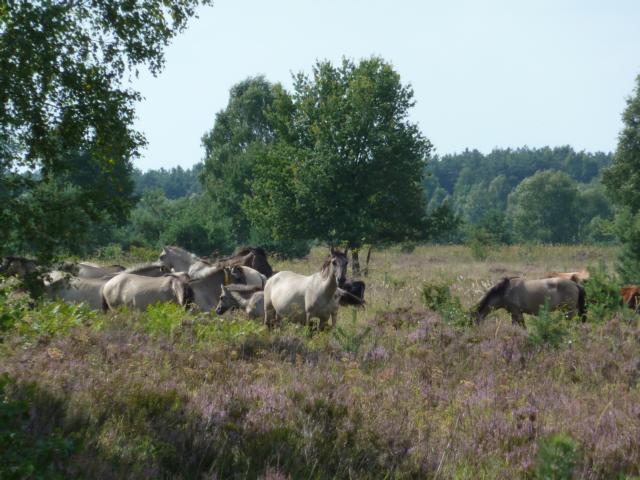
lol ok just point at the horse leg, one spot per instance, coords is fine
(334, 319)
(517, 318)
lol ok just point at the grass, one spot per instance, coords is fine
(396, 391)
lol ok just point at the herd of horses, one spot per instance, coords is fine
(246, 281)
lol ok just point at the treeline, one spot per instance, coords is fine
(545, 194)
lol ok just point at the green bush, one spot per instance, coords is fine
(162, 319)
(437, 297)
(53, 318)
(23, 452)
(13, 306)
(547, 328)
(558, 457)
(351, 337)
(602, 293)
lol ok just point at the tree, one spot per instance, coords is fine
(240, 132)
(64, 70)
(348, 163)
(543, 208)
(622, 178)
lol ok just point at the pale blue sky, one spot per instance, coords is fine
(486, 74)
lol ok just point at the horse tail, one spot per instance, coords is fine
(184, 292)
(582, 309)
(103, 301)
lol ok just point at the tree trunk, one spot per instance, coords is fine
(355, 263)
(366, 266)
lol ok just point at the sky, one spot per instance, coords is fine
(486, 73)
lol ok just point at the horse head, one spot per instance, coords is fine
(494, 298)
(338, 262)
(225, 302)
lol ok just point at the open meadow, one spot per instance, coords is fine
(406, 387)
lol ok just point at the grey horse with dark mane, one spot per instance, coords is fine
(254, 257)
(519, 296)
(301, 298)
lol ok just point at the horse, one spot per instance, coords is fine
(578, 277)
(88, 270)
(519, 296)
(181, 260)
(137, 291)
(207, 284)
(301, 298)
(254, 257)
(631, 297)
(248, 298)
(60, 285)
(18, 266)
(352, 293)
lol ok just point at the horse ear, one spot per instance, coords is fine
(332, 250)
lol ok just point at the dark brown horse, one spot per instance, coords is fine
(254, 257)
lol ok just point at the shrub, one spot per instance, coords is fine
(547, 328)
(25, 453)
(558, 456)
(602, 293)
(54, 318)
(163, 318)
(437, 297)
(350, 337)
(13, 306)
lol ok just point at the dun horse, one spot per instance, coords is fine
(519, 296)
(301, 298)
(247, 298)
(578, 277)
(137, 291)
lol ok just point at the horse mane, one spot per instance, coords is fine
(498, 289)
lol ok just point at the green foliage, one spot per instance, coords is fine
(54, 318)
(559, 456)
(346, 164)
(13, 306)
(622, 179)
(174, 183)
(162, 319)
(66, 114)
(602, 293)
(24, 453)
(350, 336)
(627, 228)
(437, 297)
(477, 187)
(479, 243)
(544, 208)
(547, 328)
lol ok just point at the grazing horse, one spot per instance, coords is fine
(519, 296)
(248, 298)
(578, 277)
(301, 298)
(137, 291)
(631, 297)
(207, 285)
(254, 257)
